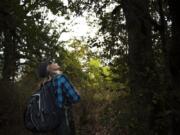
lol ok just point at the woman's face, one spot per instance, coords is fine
(53, 67)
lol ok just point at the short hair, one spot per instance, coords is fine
(42, 69)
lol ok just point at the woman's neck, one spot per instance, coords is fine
(52, 74)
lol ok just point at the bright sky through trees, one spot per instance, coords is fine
(77, 27)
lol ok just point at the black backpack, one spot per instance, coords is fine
(42, 113)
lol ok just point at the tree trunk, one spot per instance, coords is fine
(9, 61)
(141, 65)
(174, 64)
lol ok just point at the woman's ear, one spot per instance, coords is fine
(48, 68)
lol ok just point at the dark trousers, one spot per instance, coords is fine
(67, 123)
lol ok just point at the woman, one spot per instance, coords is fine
(66, 95)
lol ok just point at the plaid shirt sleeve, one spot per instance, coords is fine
(68, 88)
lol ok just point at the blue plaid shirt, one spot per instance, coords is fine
(64, 89)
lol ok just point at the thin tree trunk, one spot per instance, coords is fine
(9, 61)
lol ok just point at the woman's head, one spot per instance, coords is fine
(53, 68)
(47, 68)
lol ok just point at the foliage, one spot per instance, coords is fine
(25, 35)
(162, 18)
